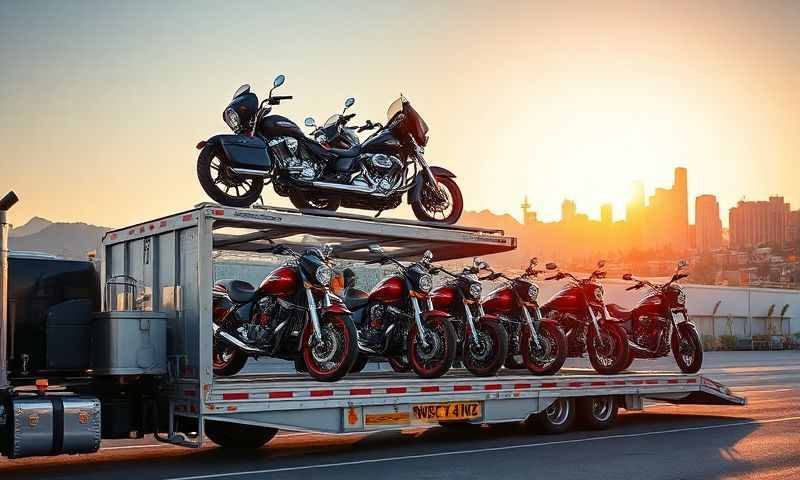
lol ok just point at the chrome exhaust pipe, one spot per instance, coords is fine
(6, 203)
(338, 187)
(250, 172)
(235, 341)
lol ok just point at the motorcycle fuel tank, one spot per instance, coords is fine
(567, 300)
(280, 283)
(389, 290)
(279, 126)
(499, 300)
(443, 297)
(383, 142)
(649, 305)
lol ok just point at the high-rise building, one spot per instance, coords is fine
(794, 226)
(754, 223)
(606, 213)
(666, 218)
(528, 216)
(708, 226)
(568, 210)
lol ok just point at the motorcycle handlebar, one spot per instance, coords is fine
(554, 277)
(632, 287)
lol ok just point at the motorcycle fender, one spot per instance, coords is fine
(419, 181)
(434, 314)
(336, 309)
(242, 151)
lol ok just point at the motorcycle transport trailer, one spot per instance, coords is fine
(170, 264)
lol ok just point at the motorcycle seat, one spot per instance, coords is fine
(618, 312)
(353, 151)
(239, 290)
(355, 299)
(318, 150)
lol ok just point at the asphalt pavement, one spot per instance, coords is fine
(758, 441)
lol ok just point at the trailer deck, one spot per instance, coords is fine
(174, 256)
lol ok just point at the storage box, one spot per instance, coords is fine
(129, 343)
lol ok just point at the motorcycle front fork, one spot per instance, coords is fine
(531, 326)
(312, 314)
(470, 319)
(418, 320)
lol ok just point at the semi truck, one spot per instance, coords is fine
(122, 347)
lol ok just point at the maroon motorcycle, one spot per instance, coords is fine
(580, 310)
(482, 342)
(534, 342)
(291, 315)
(653, 327)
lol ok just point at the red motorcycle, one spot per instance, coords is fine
(580, 310)
(534, 342)
(392, 324)
(291, 315)
(653, 327)
(482, 342)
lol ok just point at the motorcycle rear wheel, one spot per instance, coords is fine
(227, 359)
(427, 209)
(218, 180)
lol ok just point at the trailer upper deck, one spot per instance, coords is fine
(258, 229)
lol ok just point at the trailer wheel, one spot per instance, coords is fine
(557, 418)
(236, 435)
(597, 413)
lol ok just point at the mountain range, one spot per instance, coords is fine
(66, 240)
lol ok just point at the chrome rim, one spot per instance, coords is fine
(687, 351)
(605, 345)
(484, 347)
(226, 181)
(434, 345)
(558, 412)
(602, 408)
(437, 201)
(543, 354)
(324, 351)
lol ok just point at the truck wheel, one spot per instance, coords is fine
(597, 413)
(557, 418)
(236, 435)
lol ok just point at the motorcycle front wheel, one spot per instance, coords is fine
(486, 357)
(608, 352)
(435, 359)
(331, 358)
(688, 349)
(222, 184)
(548, 357)
(442, 203)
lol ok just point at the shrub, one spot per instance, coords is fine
(710, 342)
(728, 342)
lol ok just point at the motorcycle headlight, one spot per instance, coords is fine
(232, 119)
(425, 283)
(475, 290)
(681, 297)
(323, 275)
(598, 293)
(533, 292)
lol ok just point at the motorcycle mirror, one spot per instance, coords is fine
(682, 264)
(242, 90)
(534, 261)
(627, 276)
(349, 102)
(551, 266)
(278, 81)
(375, 248)
(601, 264)
(327, 249)
(309, 121)
(427, 256)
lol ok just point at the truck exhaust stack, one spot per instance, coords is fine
(6, 203)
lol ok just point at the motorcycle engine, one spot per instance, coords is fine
(285, 152)
(379, 171)
(258, 331)
(645, 332)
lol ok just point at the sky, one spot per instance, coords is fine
(102, 103)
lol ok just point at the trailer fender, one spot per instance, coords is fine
(416, 190)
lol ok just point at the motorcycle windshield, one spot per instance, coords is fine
(413, 122)
(394, 108)
(331, 121)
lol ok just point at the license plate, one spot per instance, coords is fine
(435, 412)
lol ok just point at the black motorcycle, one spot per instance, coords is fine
(372, 175)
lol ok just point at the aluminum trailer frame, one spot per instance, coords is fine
(174, 255)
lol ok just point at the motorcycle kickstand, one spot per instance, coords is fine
(378, 214)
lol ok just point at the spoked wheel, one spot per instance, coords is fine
(303, 201)
(222, 184)
(442, 203)
(434, 359)
(547, 356)
(331, 358)
(608, 352)
(688, 349)
(485, 357)
(399, 364)
(557, 418)
(227, 359)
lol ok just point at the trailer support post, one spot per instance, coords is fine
(5, 203)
